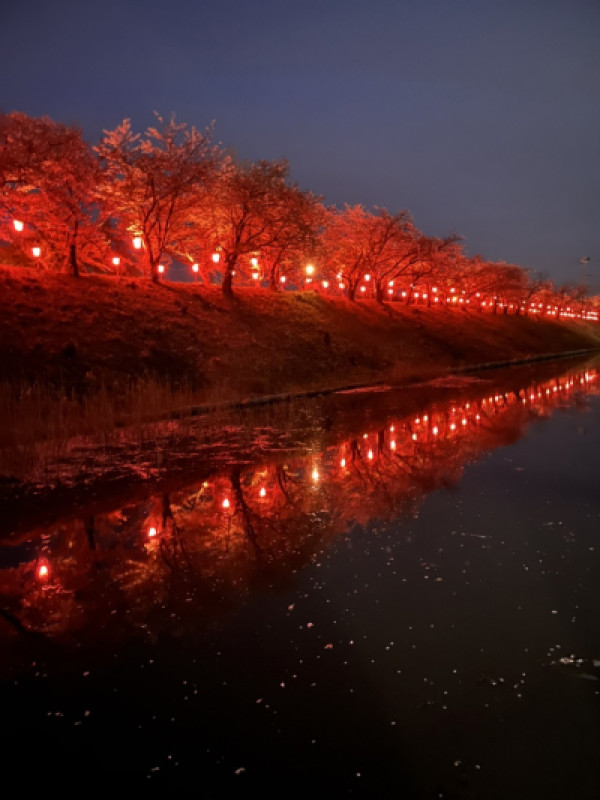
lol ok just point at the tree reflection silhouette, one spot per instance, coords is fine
(192, 553)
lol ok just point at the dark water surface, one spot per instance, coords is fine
(399, 598)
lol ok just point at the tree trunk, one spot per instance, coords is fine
(73, 265)
(351, 292)
(73, 260)
(379, 293)
(227, 284)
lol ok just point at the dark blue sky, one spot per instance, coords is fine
(480, 117)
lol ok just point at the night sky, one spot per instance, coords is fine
(481, 117)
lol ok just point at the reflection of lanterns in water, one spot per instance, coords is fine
(315, 474)
(342, 462)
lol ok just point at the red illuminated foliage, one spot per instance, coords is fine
(253, 211)
(155, 182)
(48, 177)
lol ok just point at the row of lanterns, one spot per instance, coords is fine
(534, 308)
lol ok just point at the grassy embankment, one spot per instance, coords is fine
(90, 354)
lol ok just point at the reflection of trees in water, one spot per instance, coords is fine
(201, 548)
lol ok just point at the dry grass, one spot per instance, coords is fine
(88, 355)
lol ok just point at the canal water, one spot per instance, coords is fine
(384, 594)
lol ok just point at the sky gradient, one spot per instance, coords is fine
(481, 117)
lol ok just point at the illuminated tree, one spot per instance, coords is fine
(48, 177)
(434, 262)
(253, 212)
(295, 227)
(155, 182)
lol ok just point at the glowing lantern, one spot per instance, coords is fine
(161, 268)
(225, 503)
(195, 268)
(310, 270)
(216, 257)
(363, 288)
(435, 430)
(43, 572)
(453, 426)
(392, 428)
(367, 277)
(18, 225)
(254, 262)
(263, 491)
(390, 291)
(340, 285)
(393, 444)
(370, 455)
(325, 284)
(414, 437)
(434, 290)
(342, 462)
(116, 261)
(255, 276)
(37, 251)
(390, 283)
(315, 474)
(151, 532)
(282, 279)
(137, 242)
(308, 280)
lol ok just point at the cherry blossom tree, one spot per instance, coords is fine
(154, 183)
(48, 177)
(254, 212)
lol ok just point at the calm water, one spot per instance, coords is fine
(395, 595)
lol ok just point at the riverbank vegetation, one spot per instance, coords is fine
(101, 352)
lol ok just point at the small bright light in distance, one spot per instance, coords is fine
(18, 225)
